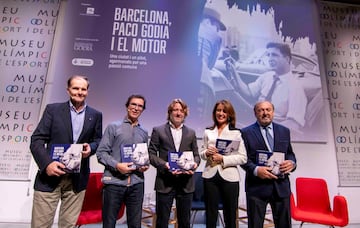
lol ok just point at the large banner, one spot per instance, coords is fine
(130, 47)
(195, 50)
(246, 69)
(26, 33)
(200, 51)
(341, 40)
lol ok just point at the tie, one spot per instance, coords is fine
(269, 138)
(272, 88)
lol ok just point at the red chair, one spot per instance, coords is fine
(313, 204)
(92, 205)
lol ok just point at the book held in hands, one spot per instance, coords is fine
(181, 160)
(226, 146)
(69, 155)
(270, 159)
(136, 153)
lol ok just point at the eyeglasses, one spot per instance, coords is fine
(134, 105)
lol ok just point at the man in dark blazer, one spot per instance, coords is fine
(71, 122)
(261, 185)
(170, 184)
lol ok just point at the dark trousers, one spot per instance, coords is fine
(219, 191)
(256, 210)
(114, 196)
(164, 203)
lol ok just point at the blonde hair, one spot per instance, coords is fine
(172, 104)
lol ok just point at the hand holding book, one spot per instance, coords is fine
(227, 146)
(213, 155)
(125, 167)
(271, 160)
(68, 154)
(181, 161)
(55, 168)
(86, 152)
(137, 154)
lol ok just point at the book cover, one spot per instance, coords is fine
(136, 153)
(181, 160)
(270, 159)
(226, 146)
(69, 155)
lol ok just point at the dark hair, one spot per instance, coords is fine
(78, 76)
(135, 96)
(283, 48)
(260, 102)
(214, 18)
(183, 105)
(228, 109)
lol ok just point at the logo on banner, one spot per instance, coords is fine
(82, 62)
(90, 10)
(82, 46)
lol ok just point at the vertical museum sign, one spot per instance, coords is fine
(26, 35)
(341, 41)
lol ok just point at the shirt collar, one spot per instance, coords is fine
(126, 120)
(285, 77)
(173, 126)
(268, 126)
(72, 107)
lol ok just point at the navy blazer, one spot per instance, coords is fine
(55, 128)
(253, 139)
(160, 144)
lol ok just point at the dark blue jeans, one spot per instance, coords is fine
(114, 196)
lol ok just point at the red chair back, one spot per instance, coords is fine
(312, 195)
(313, 204)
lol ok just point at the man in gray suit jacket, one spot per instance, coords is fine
(262, 186)
(173, 136)
(71, 122)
